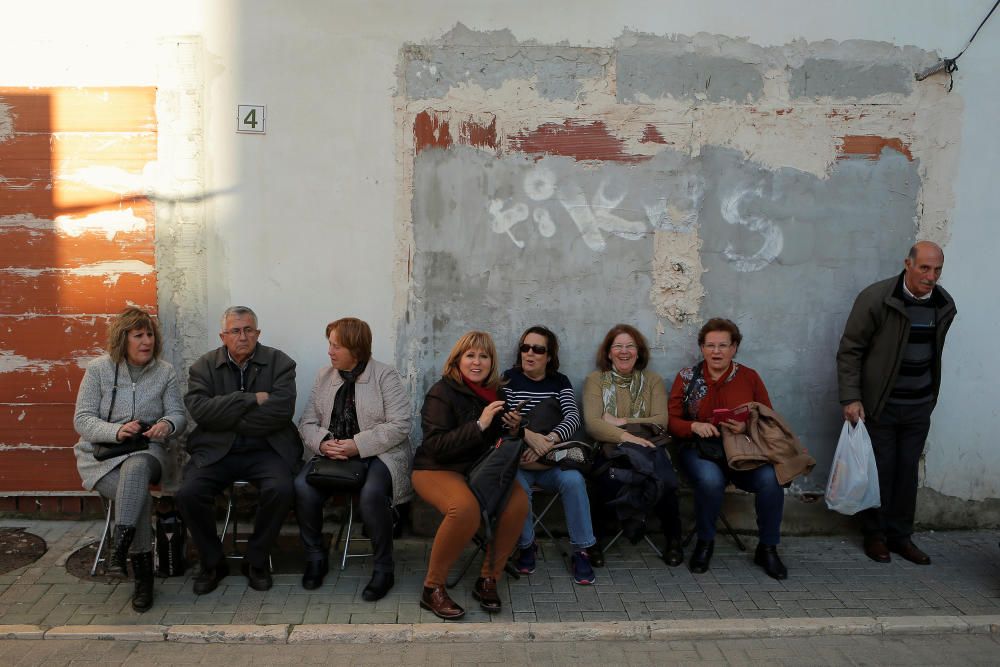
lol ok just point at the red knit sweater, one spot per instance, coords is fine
(746, 386)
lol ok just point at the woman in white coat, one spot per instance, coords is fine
(358, 408)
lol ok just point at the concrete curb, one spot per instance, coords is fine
(517, 632)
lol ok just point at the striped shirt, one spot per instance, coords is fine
(915, 380)
(520, 387)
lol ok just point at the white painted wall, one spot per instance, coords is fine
(308, 232)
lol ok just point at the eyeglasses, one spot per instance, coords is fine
(631, 347)
(721, 347)
(537, 349)
(246, 331)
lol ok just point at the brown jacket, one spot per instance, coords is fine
(768, 439)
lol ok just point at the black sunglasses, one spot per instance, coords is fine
(537, 349)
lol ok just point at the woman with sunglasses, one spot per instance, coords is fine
(621, 392)
(534, 378)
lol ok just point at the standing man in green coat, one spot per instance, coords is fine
(889, 373)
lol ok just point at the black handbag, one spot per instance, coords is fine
(170, 539)
(710, 449)
(137, 443)
(342, 475)
(655, 433)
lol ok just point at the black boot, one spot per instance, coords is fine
(142, 564)
(117, 563)
(673, 552)
(767, 557)
(701, 556)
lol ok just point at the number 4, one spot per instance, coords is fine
(251, 119)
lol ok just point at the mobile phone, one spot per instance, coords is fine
(520, 405)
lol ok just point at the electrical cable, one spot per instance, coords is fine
(950, 65)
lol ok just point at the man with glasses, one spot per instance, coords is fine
(242, 396)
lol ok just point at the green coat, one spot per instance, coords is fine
(875, 335)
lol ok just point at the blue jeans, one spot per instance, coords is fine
(576, 504)
(709, 480)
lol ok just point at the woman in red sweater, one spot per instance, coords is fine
(718, 382)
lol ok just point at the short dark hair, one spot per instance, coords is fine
(604, 364)
(551, 342)
(130, 319)
(355, 335)
(720, 324)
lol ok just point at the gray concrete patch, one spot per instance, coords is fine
(818, 77)
(649, 74)
(489, 59)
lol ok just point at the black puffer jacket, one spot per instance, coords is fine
(452, 439)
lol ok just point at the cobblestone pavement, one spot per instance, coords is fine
(981, 649)
(829, 577)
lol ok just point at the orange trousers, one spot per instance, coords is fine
(449, 493)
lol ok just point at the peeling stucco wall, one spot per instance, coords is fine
(661, 182)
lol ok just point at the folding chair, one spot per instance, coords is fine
(348, 525)
(99, 557)
(236, 554)
(538, 520)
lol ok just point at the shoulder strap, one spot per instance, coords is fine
(114, 392)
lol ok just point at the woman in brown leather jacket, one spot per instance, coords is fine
(462, 417)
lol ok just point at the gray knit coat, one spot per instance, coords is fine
(155, 395)
(383, 407)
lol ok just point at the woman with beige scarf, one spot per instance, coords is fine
(623, 392)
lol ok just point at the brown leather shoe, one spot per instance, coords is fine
(486, 592)
(908, 550)
(435, 599)
(877, 550)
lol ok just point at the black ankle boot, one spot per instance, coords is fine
(117, 563)
(673, 552)
(767, 557)
(142, 597)
(701, 556)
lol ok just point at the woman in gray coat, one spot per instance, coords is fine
(358, 408)
(127, 392)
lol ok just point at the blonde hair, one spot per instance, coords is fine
(473, 340)
(128, 320)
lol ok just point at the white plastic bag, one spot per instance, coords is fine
(853, 484)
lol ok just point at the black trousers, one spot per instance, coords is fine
(375, 509)
(898, 438)
(266, 471)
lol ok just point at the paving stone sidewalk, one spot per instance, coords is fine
(829, 577)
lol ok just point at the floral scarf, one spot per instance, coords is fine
(635, 383)
(695, 387)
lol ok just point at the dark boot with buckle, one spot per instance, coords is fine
(701, 556)
(117, 563)
(486, 592)
(436, 600)
(767, 557)
(142, 597)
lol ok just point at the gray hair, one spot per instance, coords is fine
(238, 311)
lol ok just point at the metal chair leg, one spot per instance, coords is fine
(110, 504)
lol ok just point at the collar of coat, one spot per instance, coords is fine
(261, 356)
(939, 297)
